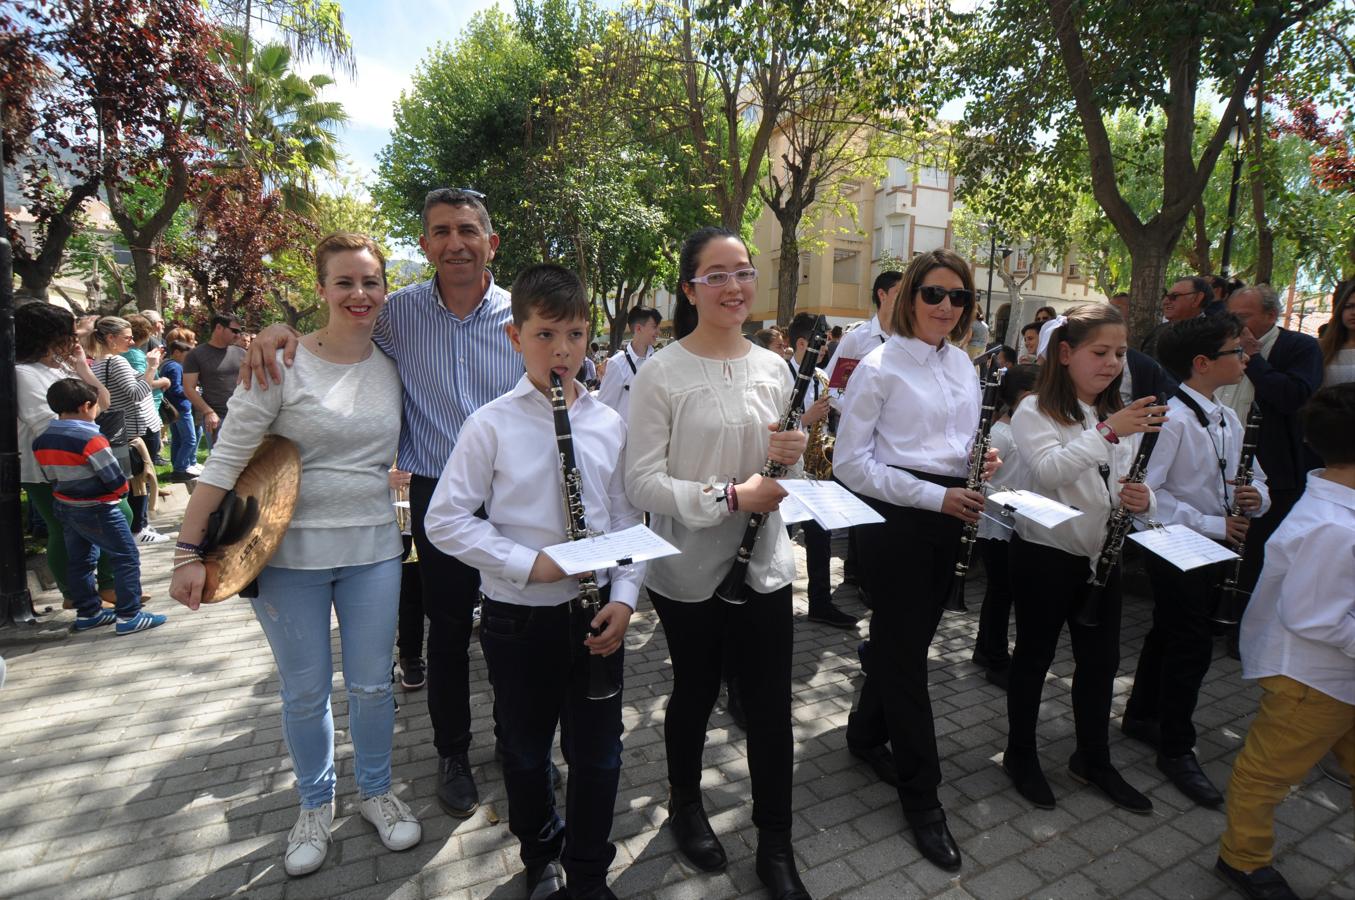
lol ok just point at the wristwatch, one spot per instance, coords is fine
(1107, 432)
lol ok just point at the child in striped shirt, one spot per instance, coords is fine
(87, 483)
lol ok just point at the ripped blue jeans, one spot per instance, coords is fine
(293, 607)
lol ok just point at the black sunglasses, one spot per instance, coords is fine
(933, 294)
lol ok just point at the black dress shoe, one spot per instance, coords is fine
(933, 838)
(776, 866)
(1145, 731)
(878, 758)
(1026, 775)
(456, 786)
(827, 614)
(1189, 778)
(1263, 884)
(546, 881)
(692, 831)
(1108, 781)
(990, 662)
(998, 677)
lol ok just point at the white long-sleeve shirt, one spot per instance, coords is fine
(505, 460)
(1011, 477)
(1192, 465)
(621, 371)
(1063, 462)
(698, 423)
(910, 405)
(1300, 621)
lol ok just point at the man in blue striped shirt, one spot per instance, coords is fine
(448, 341)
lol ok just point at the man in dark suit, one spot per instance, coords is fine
(1284, 369)
(1143, 377)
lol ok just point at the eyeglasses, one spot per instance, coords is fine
(933, 294)
(1173, 297)
(1236, 351)
(717, 279)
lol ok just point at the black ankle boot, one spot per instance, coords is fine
(776, 866)
(692, 831)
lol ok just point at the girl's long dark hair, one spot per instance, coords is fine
(1336, 335)
(1056, 394)
(684, 311)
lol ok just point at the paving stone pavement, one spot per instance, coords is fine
(154, 766)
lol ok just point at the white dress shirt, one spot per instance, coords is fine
(1300, 621)
(1063, 462)
(1191, 465)
(913, 406)
(855, 344)
(698, 423)
(621, 371)
(1011, 477)
(505, 460)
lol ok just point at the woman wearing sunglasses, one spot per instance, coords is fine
(903, 444)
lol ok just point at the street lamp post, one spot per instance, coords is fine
(992, 254)
(1232, 200)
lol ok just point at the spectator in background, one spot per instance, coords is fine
(1338, 340)
(183, 451)
(772, 339)
(1030, 342)
(157, 340)
(1044, 314)
(142, 361)
(978, 335)
(834, 338)
(1185, 299)
(1002, 320)
(212, 369)
(183, 334)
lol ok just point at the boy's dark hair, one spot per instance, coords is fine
(1202, 336)
(551, 291)
(1047, 309)
(802, 326)
(639, 314)
(885, 281)
(1326, 423)
(226, 320)
(1015, 382)
(1033, 326)
(836, 333)
(179, 347)
(1008, 353)
(66, 395)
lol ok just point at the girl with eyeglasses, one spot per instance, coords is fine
(704, 414)
(903, 444)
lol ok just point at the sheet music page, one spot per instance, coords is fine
(829, 503)
(604, 551)
(793, 511)
(1039, 509)
(1182, 547)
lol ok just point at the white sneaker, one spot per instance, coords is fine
(395, 823)
(194, 469)
(308, 841)
(149, 535)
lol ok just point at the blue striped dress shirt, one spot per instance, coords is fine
(449, 366)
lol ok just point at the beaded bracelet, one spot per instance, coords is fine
(195, 549)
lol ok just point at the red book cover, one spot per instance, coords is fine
(841, 372)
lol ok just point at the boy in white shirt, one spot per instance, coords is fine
(534, 632)
(1298, 639)
(622, 368)
(1190, 470)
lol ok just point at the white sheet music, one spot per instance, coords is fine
(828, 503)
(604, 551)
(1182, 547)
(1039, 509)
(793, 511)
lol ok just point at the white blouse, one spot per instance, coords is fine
(696, 423)
(1063, 462)
(910, 405)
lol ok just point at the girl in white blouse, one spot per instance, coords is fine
(903, 444)
(703, 420)
(341, 552)
(1077, 443)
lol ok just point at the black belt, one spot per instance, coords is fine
(949, 481)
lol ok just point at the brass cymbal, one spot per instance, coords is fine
(265, 497)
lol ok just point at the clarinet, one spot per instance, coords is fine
(969, 537)
(1117, 529)
(731, 589)
(600, 684)
(1229, 599)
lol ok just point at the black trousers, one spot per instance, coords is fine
(1176, 653)
(995, 615)
(761, 632)
(1049, 586)
(908, 563)
(540, 670)
(409, 637)
(450, 591)
(1282, 500)
(818, 559)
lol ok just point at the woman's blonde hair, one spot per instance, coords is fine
(104, 328)
(1057, 395)
(338, 242)
(905, 319)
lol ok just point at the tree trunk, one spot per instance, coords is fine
(36, 272)
(1148, 271)
(788, 267)
(147, 286)
(1199, 259)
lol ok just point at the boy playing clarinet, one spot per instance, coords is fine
(535, 635)
(1196, 456)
